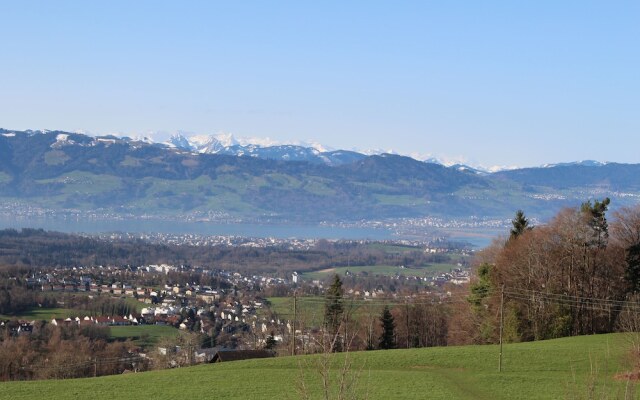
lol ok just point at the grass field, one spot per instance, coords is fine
(393, 248)
(46, 314)
(49, 313)
(385, 270)
(554, 369)
(143, 335)
(310, 310)
(135, 304)
(390, 270)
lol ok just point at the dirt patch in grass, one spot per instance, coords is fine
(628, 376)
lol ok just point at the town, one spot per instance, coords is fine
(220, 309)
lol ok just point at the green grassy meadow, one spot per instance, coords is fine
(384, 270)
(143, 335)
(554, 369)
(392, 248)
(46, 314)
(135, 304)
(310, 310)
(431, 269)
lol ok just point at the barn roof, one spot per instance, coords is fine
(235, 355)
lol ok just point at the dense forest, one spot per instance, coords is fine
(576, 275)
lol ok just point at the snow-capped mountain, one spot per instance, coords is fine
(180, 142)
(266, 148)
(213, 144)
(261, 148)
(209, 144)
(466, 168)
(313, 152)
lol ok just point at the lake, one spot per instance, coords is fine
(478, 238)
(200, 228)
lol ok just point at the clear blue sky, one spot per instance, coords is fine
(493, 83)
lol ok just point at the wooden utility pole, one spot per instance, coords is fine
(345, 322)
(293, 323)
(95, 367)
(501, 326)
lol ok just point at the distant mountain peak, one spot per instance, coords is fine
(583, 163)
(265, 148)
(143, 138)
(179, 141)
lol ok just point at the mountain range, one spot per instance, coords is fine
(58, 170)
(268, 150)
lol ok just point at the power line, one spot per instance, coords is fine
(521, 294)
(562, 295)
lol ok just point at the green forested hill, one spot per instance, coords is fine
(60, 170)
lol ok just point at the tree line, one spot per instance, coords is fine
(59, 352)
(573, 276)
(578, 274)
(349, 324)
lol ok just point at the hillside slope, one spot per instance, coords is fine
(551, 369)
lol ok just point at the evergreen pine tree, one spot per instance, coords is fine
(387, 339)
(520, 224)
(597, 221)
(333, 308)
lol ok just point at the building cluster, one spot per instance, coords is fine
(234, 308)
(213, 240)
(457, 276)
